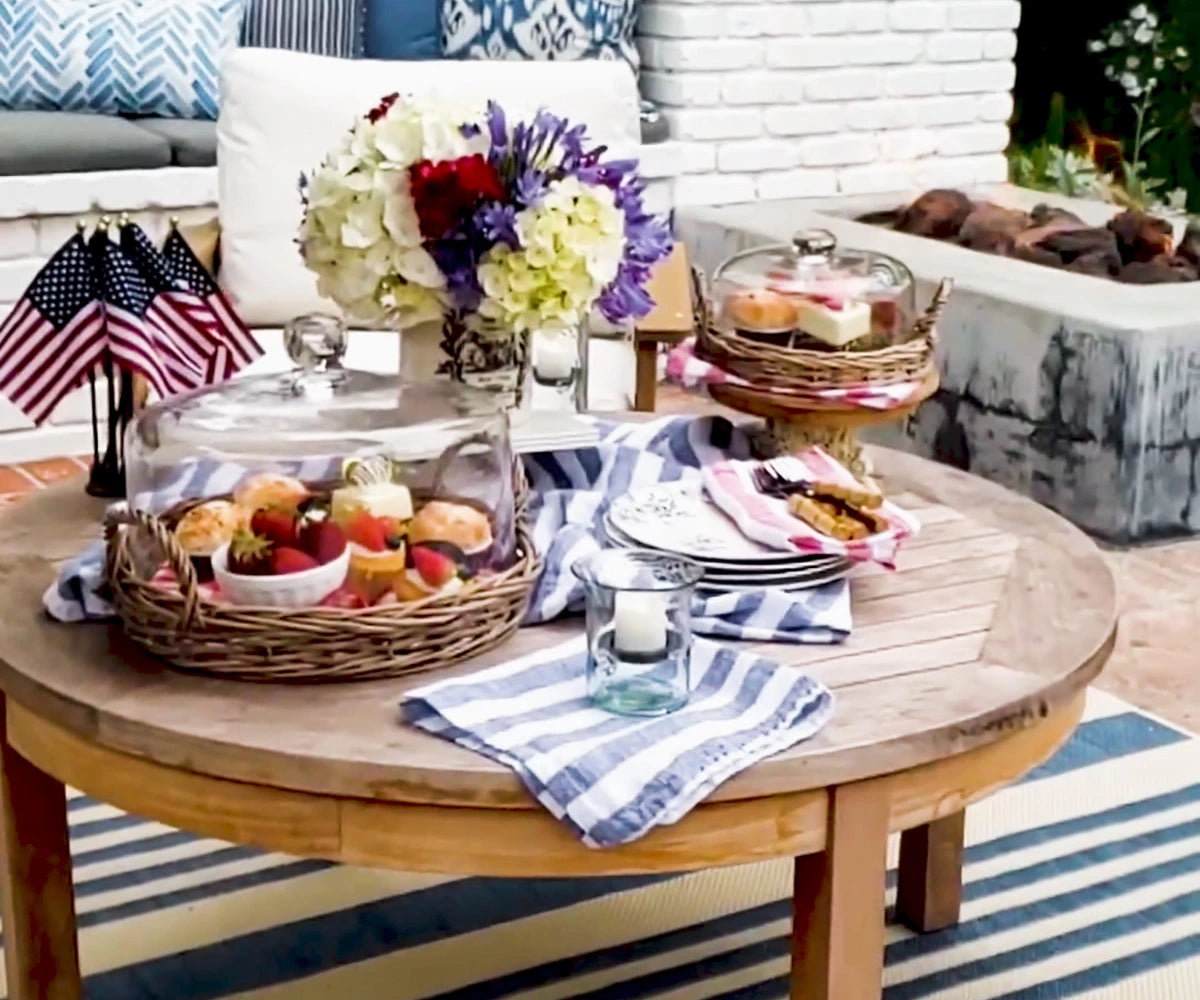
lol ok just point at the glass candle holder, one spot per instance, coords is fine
(639, 630)
(560, 365)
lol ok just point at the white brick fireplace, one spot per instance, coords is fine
(808, 98)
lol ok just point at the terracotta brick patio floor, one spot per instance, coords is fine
(1156, 665)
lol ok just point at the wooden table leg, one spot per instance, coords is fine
(41, 952)
(646, 388)
(929, 880)
(838, 905)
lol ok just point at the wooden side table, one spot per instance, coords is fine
(672, 320)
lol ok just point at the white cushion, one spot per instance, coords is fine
(281, 112)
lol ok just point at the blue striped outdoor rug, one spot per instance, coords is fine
(1084, 880)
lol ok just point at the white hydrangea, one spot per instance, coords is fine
(360, 234)
(571, 245)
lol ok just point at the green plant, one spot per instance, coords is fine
(1048, 167)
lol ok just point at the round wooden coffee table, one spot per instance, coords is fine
(966, 668)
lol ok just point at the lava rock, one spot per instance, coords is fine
(1161, 271)
(1189, 246)
(1050, 215)
(993, 228)
(938, 214)
(1141, 236)
(1092, 251)
(1098, 263)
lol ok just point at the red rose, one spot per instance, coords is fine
(448, 192)
(382, 108)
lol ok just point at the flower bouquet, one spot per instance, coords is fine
(429, 213)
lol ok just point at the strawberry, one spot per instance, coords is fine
(323, 540)
(434, 567)
(393, 532)
(367, 530)
(345, 599)
(249, 554)
(277, 525)
(285, 559)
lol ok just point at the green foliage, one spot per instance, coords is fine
(1047, 167)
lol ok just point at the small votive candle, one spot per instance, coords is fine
(639, 624)
(555, 357)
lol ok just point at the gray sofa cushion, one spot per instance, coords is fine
(50, 142)
(193, 141)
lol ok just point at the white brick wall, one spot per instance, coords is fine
(810, 98)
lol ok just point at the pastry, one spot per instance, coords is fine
(443, 521)
(205, 528)
(835, 322)
(835, 517)
(269, 489)
(378, 555)
(433, 573)
(761, 310)
(381, 499)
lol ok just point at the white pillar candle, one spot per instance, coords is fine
(639, 623)
(554, 356)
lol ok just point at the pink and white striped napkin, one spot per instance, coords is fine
(730, 485)
(690, 371)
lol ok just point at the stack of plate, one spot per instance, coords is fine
(678, 518)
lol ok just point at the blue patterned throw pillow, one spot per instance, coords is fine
(540, 29)
(134, 57)
(322, 27)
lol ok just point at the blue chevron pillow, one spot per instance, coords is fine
(134, 57)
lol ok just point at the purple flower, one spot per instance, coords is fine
(497, 127)
(529, 187)
(497, 223)
(456, 258)
(469, 130)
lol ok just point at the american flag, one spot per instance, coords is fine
(243, 348)
(147, 334)
(179, 311)
(54, 335)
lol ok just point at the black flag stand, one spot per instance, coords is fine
(108, 472)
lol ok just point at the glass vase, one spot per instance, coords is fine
(492, 360)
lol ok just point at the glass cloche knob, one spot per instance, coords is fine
(814, 243)
(315, 342)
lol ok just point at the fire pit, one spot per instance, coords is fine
(1079, 391)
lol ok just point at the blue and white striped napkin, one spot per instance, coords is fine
(572, 490)
(611, 778)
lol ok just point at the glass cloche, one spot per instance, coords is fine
(274, 475)
(813, 294)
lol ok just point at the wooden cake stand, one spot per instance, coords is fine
(794, 422)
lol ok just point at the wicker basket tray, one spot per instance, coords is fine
(770, 366)
(306, 644)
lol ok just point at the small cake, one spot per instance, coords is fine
(269, 489)
(205, 528)
(433, 573)
(835, 322)
(468, 529)
(381, 499)
(378, 555)
(762, 310)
